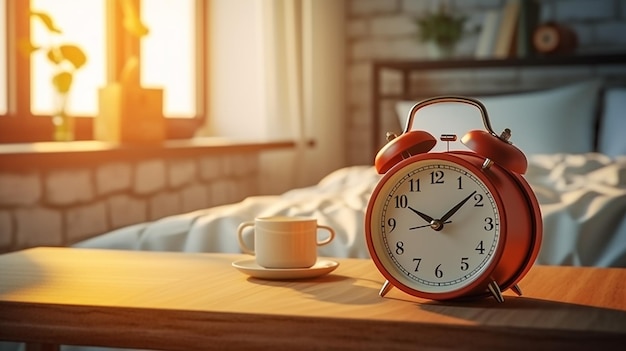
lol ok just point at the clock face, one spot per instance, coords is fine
(435, 225)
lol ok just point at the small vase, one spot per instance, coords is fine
(63, 127)
(440, 51)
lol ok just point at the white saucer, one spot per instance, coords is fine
(250, 267)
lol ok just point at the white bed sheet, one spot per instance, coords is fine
(582, 198)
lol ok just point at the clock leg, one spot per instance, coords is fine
(385, 288)
(516, 289)
(494, 289)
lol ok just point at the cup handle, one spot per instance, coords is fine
(330, 237)
(242, 243)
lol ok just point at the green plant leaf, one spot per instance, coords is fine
(441, 27)
(73, 54)
(46, 20)
(62, 81)
(54, 55)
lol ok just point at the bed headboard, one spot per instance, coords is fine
(394, 81)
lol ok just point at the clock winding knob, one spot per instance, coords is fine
(497, 149)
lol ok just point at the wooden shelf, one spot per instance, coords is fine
(564, 60)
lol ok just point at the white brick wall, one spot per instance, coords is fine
(86, 221)
(6, 229)
(68, 186)
(224, 191)
(194, 197)
(125, 210)
(181, 172)
(579, 10)
(60, 206)
(393, 25)
(19, 189)
(164, 204)
(368, 7)
(150, 176)
(210, 168)
(242, 164)
(113, 177)
(35, 226)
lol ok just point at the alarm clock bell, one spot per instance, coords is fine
(495, 148)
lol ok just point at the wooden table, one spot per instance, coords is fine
(183, 301)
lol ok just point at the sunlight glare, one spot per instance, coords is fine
(83, 24)
(168, 56)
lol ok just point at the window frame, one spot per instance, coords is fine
(19, 125)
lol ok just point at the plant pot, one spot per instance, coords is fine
(438, 51)
(63, 127)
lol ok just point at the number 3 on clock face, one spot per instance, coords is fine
(435, 225)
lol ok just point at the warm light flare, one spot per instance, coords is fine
(168, 54)
(82, 23)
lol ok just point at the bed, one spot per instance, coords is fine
(573, 134)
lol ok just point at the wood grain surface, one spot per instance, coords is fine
(185, 301)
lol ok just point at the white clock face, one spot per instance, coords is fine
(435, 225)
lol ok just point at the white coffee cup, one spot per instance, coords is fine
(284, 242)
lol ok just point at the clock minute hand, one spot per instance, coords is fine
(456, 208)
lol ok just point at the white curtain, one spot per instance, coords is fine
(277, 73)
(284, 45)
(304, 54)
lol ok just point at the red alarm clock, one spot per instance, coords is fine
(455, 224)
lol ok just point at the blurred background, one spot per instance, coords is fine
(296, 70)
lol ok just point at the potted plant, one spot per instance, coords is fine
(67, 58)
(442, 30)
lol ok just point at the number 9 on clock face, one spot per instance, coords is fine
(435, 225)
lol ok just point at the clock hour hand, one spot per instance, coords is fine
(456, 208)
(424, 216)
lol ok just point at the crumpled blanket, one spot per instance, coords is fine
(583, 205)
(582, 199)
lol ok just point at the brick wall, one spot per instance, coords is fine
(50, 205)
(385, 29)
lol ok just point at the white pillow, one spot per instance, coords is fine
(612, 132)
(559, 120)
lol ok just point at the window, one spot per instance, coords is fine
(172, 56)
(170, 44)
